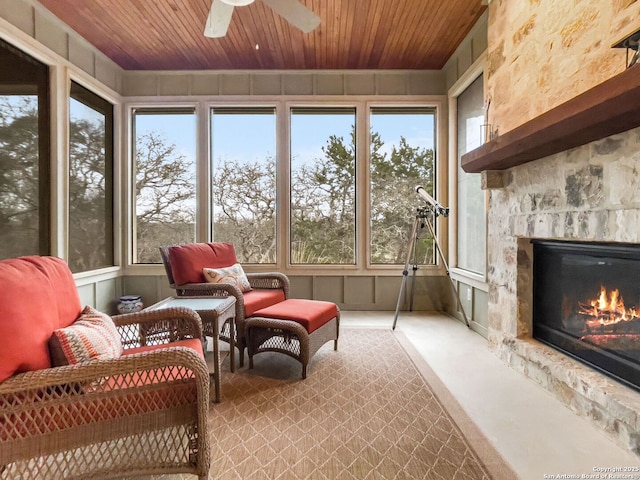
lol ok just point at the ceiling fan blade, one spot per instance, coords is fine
(295, 13)
(218, 20)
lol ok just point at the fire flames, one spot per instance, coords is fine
(607, 309)
(603, 323)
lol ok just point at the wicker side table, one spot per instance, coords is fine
(218, 315)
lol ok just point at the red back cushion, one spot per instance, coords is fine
(187, 261)
(63, 285)
(225, 255)
(37, 296)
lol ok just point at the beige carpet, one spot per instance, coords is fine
(371, 410)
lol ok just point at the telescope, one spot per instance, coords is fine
(421, 220)
(437, 208)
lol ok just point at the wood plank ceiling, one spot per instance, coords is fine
(353, 34)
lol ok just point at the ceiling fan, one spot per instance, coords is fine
(291, 10)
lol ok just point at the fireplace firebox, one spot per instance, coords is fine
(586, 303)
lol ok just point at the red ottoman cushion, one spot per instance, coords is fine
(311, 314)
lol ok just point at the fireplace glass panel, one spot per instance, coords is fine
(586, 303)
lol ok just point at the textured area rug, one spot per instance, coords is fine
(371, 410)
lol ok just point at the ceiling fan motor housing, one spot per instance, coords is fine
(238, 3)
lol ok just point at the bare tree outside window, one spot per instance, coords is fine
(19, 175)
(323, 186)
(401, 158)
(90, 181)
(244, 181)
(24, 154)
(322, 182)
(165, 182)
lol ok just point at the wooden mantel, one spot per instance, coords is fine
(608, 108)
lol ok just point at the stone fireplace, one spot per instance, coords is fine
(563, 164)
(587, 194)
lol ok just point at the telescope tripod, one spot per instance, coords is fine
(422, 219)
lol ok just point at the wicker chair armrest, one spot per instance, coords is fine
(65, 407)
(56, 381)
(275, 280)
(210, 289)
(150, 327)
(179, 314)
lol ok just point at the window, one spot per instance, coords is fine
(402, 157)
(472, 228)
(323, 183)
(304, 204)
(90, 180)
(164, 146)
(244, 181)
(24, 154)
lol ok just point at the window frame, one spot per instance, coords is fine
(61, 79)
(417, 202)
(289, 240)
(174, 109)
(54, 179)
(283, 105)
(245, 109)
(42, 80)
(441, 185)
(100, 104)
(477, 280)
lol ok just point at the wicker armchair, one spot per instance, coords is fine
(267, 288)
(142, 413)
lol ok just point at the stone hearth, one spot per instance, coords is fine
(587, 193)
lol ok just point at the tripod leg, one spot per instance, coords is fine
(405, 272)
(395, 318)
(415, 265)
(444, 262)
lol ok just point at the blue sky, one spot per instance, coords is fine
(239, 135)
(81, 111)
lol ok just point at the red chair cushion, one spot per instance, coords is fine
(187, 261)
(257, 299)
(37, 296)
(311, 314)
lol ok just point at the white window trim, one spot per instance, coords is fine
(471, 74)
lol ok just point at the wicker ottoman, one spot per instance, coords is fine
(295, 327)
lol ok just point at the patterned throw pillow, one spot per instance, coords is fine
(93, 336)
(234, 275)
